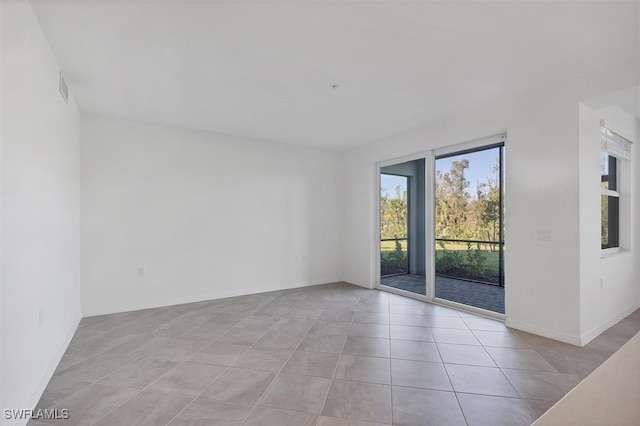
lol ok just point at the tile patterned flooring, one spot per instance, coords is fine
(485, 296)
(333, 354)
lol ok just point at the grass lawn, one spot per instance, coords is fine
(492, 258)
(491, 262)
(391, 245)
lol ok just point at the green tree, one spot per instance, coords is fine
(452, 201)
(488, 202)
(393, 225)
(393, 214)
(461, 215)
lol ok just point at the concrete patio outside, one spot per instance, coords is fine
(480, 295)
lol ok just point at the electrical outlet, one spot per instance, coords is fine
(140, 271)
(601, 282)
(40, 316)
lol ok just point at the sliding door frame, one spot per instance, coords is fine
(429, 173)
(471, 146)
(429, 197)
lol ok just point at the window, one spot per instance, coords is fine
(610, 204)
(615, 149)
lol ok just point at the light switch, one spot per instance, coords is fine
(544, 235)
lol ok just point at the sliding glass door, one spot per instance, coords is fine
(402, 226)
(469, 227)
(394, 225)
(441, 225)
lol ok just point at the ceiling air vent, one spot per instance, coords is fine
(64, 89)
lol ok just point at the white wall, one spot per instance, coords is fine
(40, 211)
(205, 215)
(604, 305)
(542, 193)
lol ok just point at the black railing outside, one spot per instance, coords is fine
(475, 262)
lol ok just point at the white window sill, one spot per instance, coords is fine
(613, 252)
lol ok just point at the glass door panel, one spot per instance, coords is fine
(469, 228)
(402, 226)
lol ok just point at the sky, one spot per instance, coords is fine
(480, 166)
(390, 182)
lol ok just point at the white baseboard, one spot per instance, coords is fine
(368, 287)
(159, 303)
(597, 330)
(551, 334)
(44, 381)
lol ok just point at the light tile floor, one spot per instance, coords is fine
(334, 354)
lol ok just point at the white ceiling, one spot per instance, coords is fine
(266, 69)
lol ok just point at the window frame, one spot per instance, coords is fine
(613, 208)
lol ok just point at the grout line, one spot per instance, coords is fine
(221, 373)
(464, 416)
(133, 396)
(181, 411)
(335, 369)
(255, 405)
(145, 389)
(254, 344)
(260, 304)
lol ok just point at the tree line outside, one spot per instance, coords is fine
(393, 229)
(459, 215)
